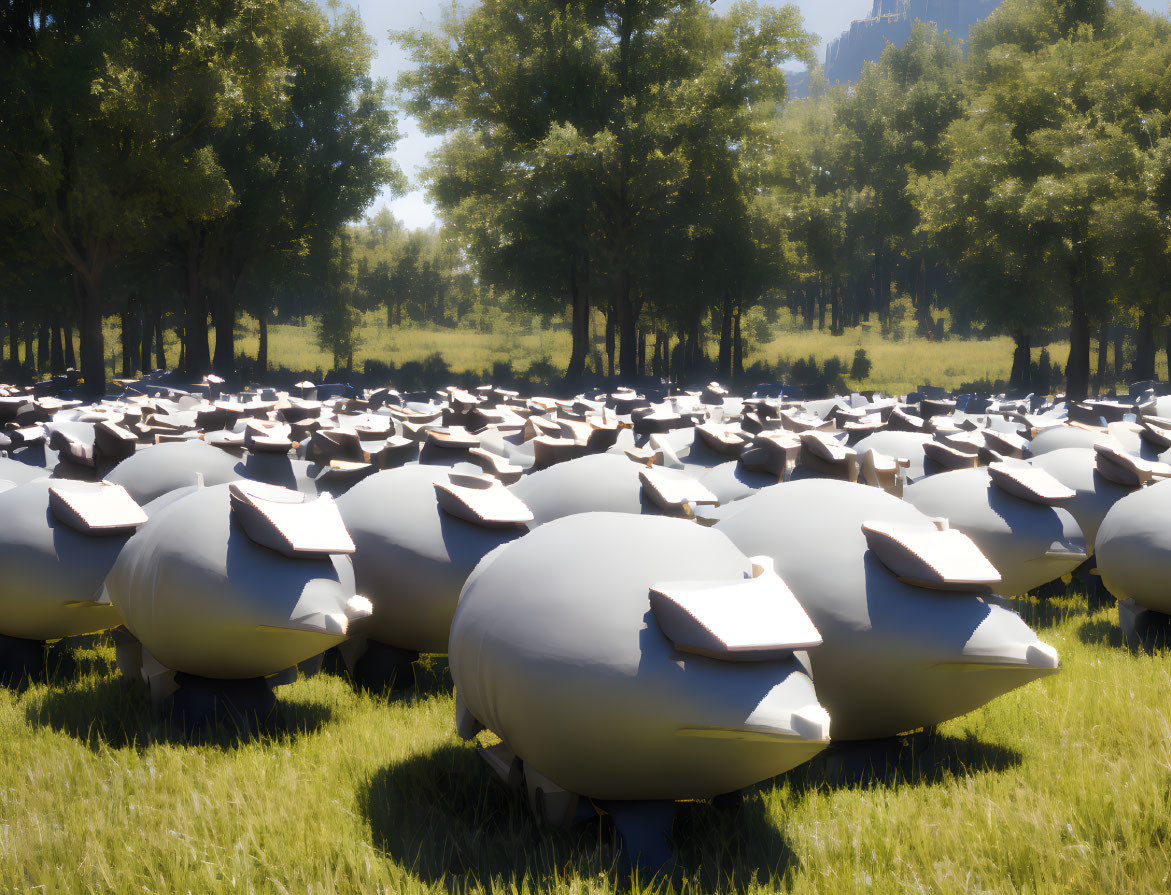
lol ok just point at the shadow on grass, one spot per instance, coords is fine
(447, 818)
(109, 712)
(918, 759)
(420, 679)
(58, 664)
(1051, 610)
(1099, 632)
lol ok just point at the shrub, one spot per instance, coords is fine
(860, 368)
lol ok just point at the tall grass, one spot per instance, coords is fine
(1064, 785)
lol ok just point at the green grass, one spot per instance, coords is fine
(1064, 785)
(901, 361)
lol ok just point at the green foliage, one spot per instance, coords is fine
(174, 164)
(568, 192)
(210, 136)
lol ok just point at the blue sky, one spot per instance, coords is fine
(826, 18)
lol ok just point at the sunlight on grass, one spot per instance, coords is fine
(1064, 785)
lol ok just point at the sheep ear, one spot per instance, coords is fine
(673, 493)
(279, 518)
(947, 456)
(1156, 431)
(747, 620)
(944, 559)
(1125, 469)
(105, 510)
(1029, 483)
(482, 500)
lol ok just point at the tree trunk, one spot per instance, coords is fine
(42, 346)
(225, 329)
(724, 360)
(262, 347)
(130, 341)
(146, 339)
(1144, 359)
(93, 360)
(1103, 355)
(1119, 357)
(1168, 349)
(197, 360)
(579, 324)
(13, 338)
(1077, 370)
(627, 328)
(610, 315)
(737, 346)
(820, 303)
(641, 351)
(70, 354)
(56, 349)
(160, 336)
(1021, 360)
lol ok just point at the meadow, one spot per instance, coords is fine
(1063, 785)
(901, 359)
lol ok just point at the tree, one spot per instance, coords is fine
(1041, 152)
(569, 131)
(91, 99)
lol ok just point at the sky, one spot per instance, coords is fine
(826, 18)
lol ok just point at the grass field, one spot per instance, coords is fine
(899, 364)
(1064, 785)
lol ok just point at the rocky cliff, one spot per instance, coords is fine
(890, 22)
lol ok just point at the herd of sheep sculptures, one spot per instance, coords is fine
(647, 597)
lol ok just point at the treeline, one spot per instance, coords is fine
(639, 158)
(178, 163)
(633, 160)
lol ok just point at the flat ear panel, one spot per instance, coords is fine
(1007, 444)
(645, 455)
(79, 452)
(751, 620)
(482, 500)
(1125, 469)
(271, 438)
(939, 560)
(671, 492)
(452, 437)
(1156, 431)
(825, 447)
(881, 471)
(105, 510)
(496, 466)
(29, 435)
(947, 456)
(280, 519)
(721, 439)
(1029, 483)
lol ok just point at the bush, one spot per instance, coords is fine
(860, 368)
(818, 380)
(542, 372)
(379, 372)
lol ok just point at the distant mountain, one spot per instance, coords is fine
(890, 22)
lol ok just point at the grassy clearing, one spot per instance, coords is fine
(1064, 785)
(899, 363)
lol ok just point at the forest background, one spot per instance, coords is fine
(624, 189)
